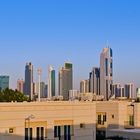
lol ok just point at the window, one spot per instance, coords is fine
(82, 125)
(111, 52)
(57, 131)
(104, 118)
(99, 119)
(113, 116)
(28, 133)
(40, 133)
(131, 120)
(67, 135)
(106, 66)
(63, 132)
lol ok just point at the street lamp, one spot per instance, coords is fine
(28, 119)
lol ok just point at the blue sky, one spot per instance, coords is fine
(54, 31)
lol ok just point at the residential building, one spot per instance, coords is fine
(73, 94)
(20, 85)
(84, 86)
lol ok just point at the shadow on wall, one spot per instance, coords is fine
(60, 132)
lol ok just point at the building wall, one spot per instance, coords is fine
(47, 115)
(137, 115)
(116, 112)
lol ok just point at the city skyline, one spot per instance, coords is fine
(47, 33)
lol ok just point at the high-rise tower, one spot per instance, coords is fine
(65, 80)
(4, 82)
(51, 82)
(94, 81)
(84, 86)
(28, 89)
(106, 72)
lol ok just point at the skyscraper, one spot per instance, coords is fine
(106, 72)
(20, 85)
(65, 80)
(46, 91)
(94, 81)
(116, 90)
(84, 86)
(4, 82)
(28, 90)
(129, 90)
(42, 89)
(51, 82)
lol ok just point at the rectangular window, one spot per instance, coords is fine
(104, 118)
(111, 53)
(28, 134)
(67, 135)
(40, 133)
(99, 119)
(57, 132)
(106, 66)
(131, 120)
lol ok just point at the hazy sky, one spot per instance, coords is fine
(54, 31)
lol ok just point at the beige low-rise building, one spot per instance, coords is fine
(70, 120)
(48, 121)
(118, 118)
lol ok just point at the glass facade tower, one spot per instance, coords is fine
(106, 72)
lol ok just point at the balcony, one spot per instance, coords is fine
(129, 125)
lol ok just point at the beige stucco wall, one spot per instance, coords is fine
(137, 115)
(116, 108)
(12, 115)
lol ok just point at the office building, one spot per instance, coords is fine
(29, 85)
(84, 86)
(129, 90)
(106, 72)
(116, 90)
(65, 80)
(4, 82)
(20, 85)
(51, 82)
(94, 80)
(42, 90)
(46, 91)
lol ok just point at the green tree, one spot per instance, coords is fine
(9, 95)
